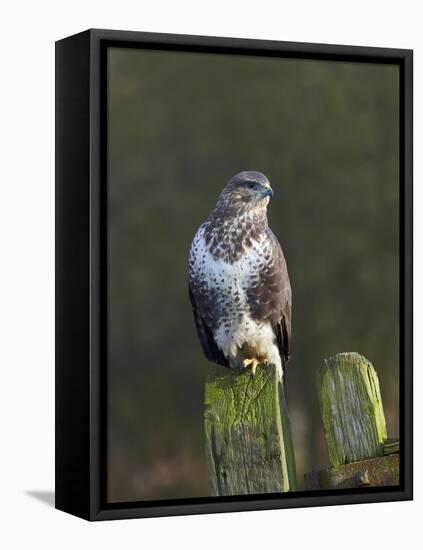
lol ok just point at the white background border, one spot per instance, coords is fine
(27, 37)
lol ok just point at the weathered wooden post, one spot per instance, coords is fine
(354, 423)
(248, 438)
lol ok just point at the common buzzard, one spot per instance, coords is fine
(238, 280)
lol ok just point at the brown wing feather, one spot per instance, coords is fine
(208, 344)
(271, 297)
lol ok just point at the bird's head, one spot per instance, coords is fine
(246, 190)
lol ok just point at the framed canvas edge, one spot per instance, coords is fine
(97, 211)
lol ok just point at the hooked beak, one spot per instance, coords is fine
(267, 190)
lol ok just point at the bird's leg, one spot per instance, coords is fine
(251, 362)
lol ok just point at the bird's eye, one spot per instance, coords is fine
(251, 184)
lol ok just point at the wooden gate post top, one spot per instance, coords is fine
(351, 407)
(359, 452)
(248, 439)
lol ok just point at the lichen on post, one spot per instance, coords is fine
(248, 438)
(352, 410)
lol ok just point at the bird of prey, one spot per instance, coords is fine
(238, 280)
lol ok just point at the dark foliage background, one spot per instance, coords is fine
(180, 124)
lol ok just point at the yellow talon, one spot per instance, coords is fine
(251, 363)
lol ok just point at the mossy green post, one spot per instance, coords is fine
(352, 410)
(359, 452)
(248, 438)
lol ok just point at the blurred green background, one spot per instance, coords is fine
(180, 125)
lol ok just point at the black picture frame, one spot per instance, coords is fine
(81, 267)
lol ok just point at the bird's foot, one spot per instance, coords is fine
(252, 363)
